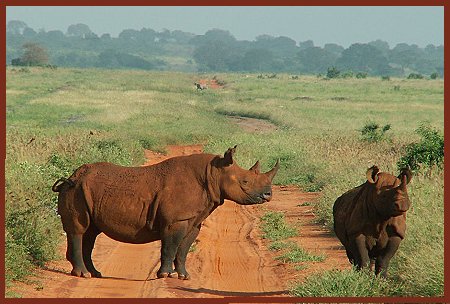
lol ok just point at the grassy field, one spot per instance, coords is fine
(60, 119)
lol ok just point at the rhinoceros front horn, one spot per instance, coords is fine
(271, 173)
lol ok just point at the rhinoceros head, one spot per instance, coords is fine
(242, 186)
(390, 196)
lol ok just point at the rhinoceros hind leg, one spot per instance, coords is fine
(88, 245)
(75, 257)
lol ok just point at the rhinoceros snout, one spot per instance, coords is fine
(267, 196)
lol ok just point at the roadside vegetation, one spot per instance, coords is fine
(57, 120)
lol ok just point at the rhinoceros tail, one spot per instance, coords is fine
(60, 183)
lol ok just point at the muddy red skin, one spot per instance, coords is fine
(167, 201)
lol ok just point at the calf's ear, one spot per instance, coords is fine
(405, 175)
(228, 156)
(372, 174)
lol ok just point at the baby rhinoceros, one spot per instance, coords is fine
(370, 220)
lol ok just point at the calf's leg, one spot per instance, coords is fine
(362, 257)
(382, 262)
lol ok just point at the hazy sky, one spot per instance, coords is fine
(333, 24)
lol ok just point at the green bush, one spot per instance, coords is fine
(361, 75)
(386, 78)
(415, 76)
(333, 72)
(371, 132)
(434, 76)
(427, 153)
(17, 263)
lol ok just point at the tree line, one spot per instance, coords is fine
(215, 51)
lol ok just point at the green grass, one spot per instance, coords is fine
(275, 228)
(318, 143)
(297, 255)
(347, 283)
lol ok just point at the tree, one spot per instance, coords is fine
(316, 60)
(28, 32)
(214, 35)
(257, 60)
(215, 56)
(129, 34)
(306, 44)
(364, 58)
(333, 48)
(33, 55)
(78, 30)
(383, 46)
(16, 27)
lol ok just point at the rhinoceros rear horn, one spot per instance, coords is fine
(271, 173)
(371, 174)
(228, 156)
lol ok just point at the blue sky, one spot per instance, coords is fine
(420, 25)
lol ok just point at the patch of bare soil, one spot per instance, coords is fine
(253, 125)
(213, 83)
(230, 259)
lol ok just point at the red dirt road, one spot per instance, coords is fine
(230, 257)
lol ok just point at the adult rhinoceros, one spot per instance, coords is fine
(370, 220)
(167, 201)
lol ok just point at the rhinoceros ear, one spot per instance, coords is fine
(255, 167)
(228, 156)
(372, 174)
(271, 173)
(405, 175)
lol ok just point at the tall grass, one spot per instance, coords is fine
(57, 120)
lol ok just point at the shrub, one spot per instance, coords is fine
(361, 75)
(17, 264)
(371, 132)
(427, 153)
(415, 76)
(348, 74)
(434, 76)
(333, 72)
(385, 78)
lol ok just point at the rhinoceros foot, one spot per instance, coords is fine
(96, 274)
(184, 276)
(163, 275)
(79, 273)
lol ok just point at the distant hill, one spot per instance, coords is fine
(219, 51)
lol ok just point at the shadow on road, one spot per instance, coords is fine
(234, 293)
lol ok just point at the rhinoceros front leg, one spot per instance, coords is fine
(183, 249)
(171, 237)
(382, 262)
(362, 257)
